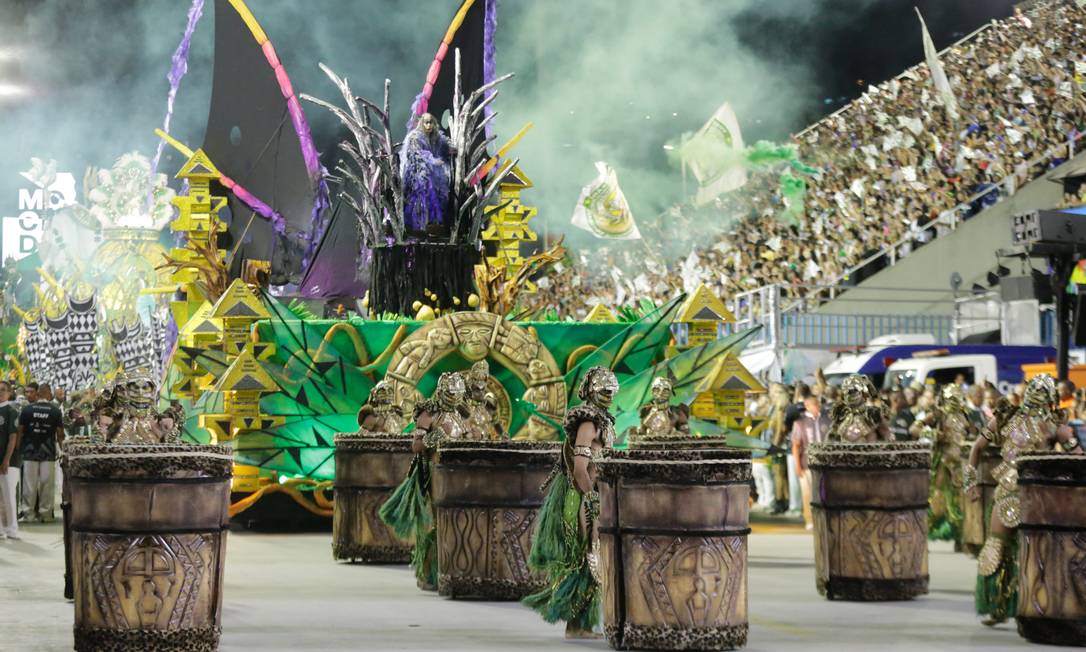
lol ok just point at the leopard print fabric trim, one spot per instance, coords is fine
(95, 639)
(144, 461)
(372, 443)
(484, 588)
(878, 455)
(670, 637)
(367, 554)
(684, 471)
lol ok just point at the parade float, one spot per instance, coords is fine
(225, 396)
(218, 288)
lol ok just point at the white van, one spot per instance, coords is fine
(942, 370)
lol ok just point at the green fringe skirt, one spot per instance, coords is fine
(409, 512)
(561, 552)
(997, 594)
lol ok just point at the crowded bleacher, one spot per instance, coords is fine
(895, 168)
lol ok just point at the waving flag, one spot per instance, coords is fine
(715, 155)
(938, 75)
(602, 208)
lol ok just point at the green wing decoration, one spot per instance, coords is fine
(631, 350)
(733, 438)
(320, 388)
(685, 370)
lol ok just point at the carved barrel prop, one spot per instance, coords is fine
(680, 443)
(974, 523)
(673, 532)
(870, 508)
(66, 513)
(148, 531)
(368, 469)
(1052, 548)
(486, 497)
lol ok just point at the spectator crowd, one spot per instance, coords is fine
(895, 168)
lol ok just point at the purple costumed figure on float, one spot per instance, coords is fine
(424, 168)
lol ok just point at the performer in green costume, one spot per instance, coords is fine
(565, 545)
(947, 426)
(1037, 425)
(409, 510)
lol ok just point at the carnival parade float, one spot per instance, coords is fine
(422, 419)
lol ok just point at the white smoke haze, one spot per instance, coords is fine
(601, 79)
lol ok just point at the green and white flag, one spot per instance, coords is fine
(938, 75)
(602, 209)
(715, 155)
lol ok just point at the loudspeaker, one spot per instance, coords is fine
(1022, 288)
(1048, 227)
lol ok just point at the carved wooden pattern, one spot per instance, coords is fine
(692, 582)
(1052, 575)
(512, 530)
(490, 543)
(463, 541)
(881, 545)
(146, 582)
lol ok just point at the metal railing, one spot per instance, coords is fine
(818, 330)
(760, 307)
(786, 325)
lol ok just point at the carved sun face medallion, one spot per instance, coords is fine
(474, 340)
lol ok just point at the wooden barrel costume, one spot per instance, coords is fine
(974, 520)
(673, 532)
(870, 508)
(486, 497)
(368, 469)
(148, 530)
(1052, 548)
(66, 513)
(680, 443)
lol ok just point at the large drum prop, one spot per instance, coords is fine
(148, 535)
(486, 498)
(870, 510)
(974, 523)
(66, 513)
(1052, 548)
(673, 532)
(368, 469)
(680, 443)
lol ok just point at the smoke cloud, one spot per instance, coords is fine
(601, 80)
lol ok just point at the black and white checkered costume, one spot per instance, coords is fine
(83, 319)
(34, 345)
(58, 350)
(158, 324)
(133, 345)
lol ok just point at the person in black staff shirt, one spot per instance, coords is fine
(10, 462)
(901, 417)
(41, 428)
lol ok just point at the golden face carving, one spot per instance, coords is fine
(474, 340)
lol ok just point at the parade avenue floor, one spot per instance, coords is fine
(284, 592)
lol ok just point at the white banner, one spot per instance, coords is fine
(938, 76)
(602, 209)
(714, 155)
